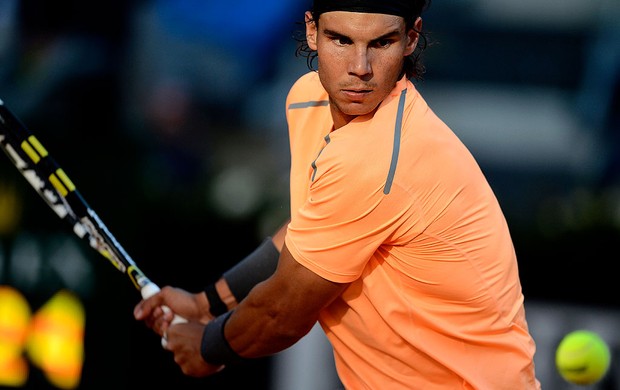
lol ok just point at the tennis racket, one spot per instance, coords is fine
(52, 183)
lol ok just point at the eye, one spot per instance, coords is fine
(383, 43)
(343, 41)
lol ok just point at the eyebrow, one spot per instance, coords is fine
(333, 33)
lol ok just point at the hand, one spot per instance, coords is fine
(184, 341)
(192, 307)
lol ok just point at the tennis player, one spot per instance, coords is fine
(396, 243)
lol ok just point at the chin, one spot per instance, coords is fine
(355, 109)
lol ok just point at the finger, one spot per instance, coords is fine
(146, 307)
(138, 312)
(157, 320)
(143, 310)
(164, 340)
(160, 326)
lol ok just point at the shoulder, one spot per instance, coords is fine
(309, 79)
(306, 88)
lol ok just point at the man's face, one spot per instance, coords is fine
(360, 58)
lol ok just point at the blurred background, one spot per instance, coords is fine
(169, 117)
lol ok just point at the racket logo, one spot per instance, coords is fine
(34, 179)
(34, 149)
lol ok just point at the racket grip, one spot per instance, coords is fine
(151, 289)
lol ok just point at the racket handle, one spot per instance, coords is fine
(151, 289)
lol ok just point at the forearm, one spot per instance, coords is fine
(253, 269)
(253, 332)
(235, 284)
(277, 313)
(264, 324)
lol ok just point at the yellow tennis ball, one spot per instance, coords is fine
(582, 357)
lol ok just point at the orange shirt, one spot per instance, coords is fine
(394, 204)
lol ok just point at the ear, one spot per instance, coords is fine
(413, 36)
(310, 31)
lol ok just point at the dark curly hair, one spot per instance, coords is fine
(413, 67)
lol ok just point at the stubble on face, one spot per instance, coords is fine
(361, 57)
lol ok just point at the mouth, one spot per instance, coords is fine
(356, 94)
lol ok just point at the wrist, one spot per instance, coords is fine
(204, 307)
(214, 348)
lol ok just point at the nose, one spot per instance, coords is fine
(360, 63)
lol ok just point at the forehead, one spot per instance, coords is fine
(360, 23)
